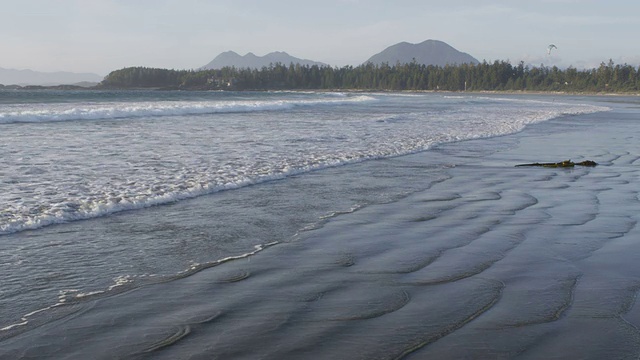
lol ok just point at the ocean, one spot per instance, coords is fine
(105, 193)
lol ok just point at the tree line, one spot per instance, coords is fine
(496, 76)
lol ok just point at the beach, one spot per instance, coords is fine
(468, 256)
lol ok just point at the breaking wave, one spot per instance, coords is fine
(123, 110)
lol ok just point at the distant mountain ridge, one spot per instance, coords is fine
(429, 52)
(30, 77)
(251, 61)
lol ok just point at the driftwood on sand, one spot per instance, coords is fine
(566, 163)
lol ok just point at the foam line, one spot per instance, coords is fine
(124, 110)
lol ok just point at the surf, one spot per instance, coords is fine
(42, 113)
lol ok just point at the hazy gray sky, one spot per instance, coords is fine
(103, 35)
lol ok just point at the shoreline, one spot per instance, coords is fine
(471, 92)
(489, 261)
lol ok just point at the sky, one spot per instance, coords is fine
(99, 36)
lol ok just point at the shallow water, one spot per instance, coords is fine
(110, 157)
(448, 253)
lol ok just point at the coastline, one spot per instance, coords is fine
(490, 261)
(469, 92)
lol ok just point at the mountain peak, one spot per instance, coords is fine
(428, 52)
(250, 60)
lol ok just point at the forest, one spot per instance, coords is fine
(496, 76)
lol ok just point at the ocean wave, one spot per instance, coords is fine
(124, 110)
(26, 218)
(388, 135)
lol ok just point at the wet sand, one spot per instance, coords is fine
(491, 261)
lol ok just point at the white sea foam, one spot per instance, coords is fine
(74, 173)
(102, 111)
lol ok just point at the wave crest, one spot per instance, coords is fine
(106, 111)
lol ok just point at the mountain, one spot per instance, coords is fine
(430, 52)
(30, 77)
(252, 61)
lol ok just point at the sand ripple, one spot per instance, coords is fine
(491, 262)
